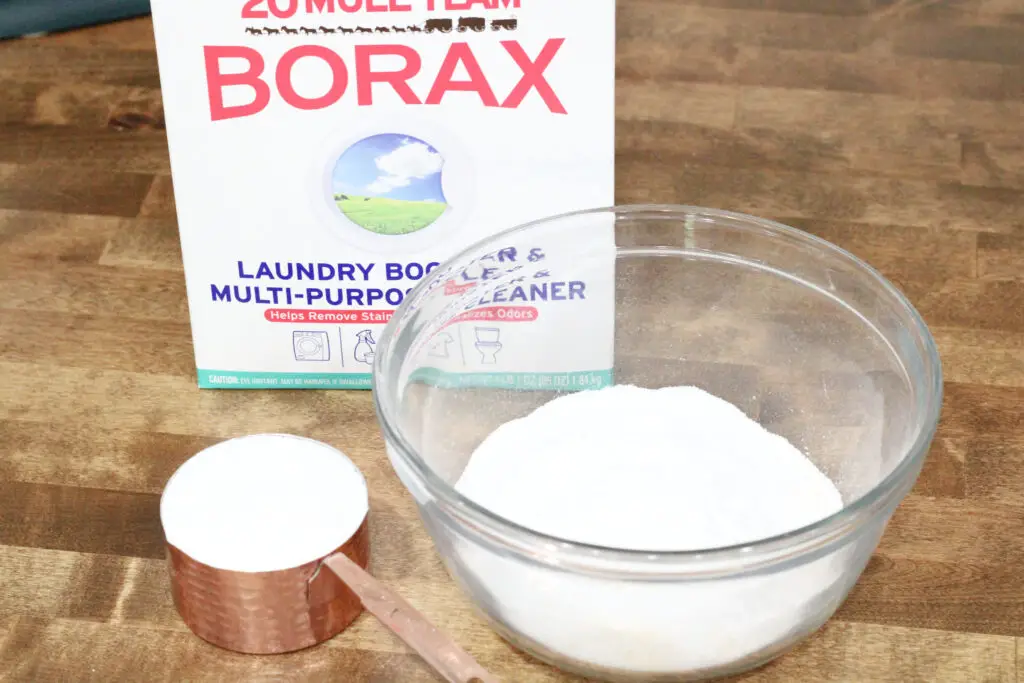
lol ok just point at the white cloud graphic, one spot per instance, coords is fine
(411, 161)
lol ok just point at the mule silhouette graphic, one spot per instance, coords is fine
(442, 25)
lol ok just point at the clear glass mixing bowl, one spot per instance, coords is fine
(804, 337)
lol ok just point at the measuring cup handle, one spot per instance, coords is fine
(434, 646)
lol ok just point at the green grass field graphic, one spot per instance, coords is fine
(389, 216)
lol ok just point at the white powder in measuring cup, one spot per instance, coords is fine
(659, 470)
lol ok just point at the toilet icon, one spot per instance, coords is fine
(488, 343)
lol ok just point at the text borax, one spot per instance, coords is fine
(366, 76)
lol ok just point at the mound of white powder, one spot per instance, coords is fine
(657, 470)
(263, 502)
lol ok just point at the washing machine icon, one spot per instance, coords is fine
(311, 346)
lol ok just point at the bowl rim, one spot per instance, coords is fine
(550, 549)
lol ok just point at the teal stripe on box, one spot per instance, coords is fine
(230, 379)
(525, 381)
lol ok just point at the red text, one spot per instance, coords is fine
(461, 5)
(532, 77)
(342, 317)
(285, 9)
(505, 313)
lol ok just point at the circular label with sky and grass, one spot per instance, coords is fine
(390, 184)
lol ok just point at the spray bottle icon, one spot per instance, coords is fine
(364, 347)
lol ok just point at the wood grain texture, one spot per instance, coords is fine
(892, 128)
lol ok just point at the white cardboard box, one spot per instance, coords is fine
(326, 154)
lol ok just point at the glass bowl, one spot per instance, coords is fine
(805, 338)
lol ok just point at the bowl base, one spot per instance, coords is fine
(541, 653)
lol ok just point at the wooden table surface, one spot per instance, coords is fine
(893, 128)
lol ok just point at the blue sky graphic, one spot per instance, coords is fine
(390, 165)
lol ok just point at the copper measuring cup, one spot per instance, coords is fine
(284, 609)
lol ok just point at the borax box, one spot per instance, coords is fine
(327, 154)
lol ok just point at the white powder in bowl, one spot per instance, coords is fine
(655, 470)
